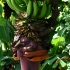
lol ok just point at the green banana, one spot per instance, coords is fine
(43, 11)
(9, 4)
(26, 1)
(35, 9)
(19, 2)
(29, 8)
(18, 7)
(48, 11)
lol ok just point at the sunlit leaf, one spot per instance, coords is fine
(68, 65)
(62, 63)
(55, 65)
(2, 63)
(58, 41)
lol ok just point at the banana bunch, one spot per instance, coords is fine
(34, 8)
(38, 8)
(17, 5)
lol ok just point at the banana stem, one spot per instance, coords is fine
(34, 65)
(26, 64)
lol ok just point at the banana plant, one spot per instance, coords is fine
(37, 28)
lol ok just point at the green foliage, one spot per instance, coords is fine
(60, 40)
(6, 31)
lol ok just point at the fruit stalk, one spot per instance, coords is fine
(26, 64)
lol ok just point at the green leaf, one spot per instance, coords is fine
(7, 33)
(6, 57)
(1, 51)
(62, 63)
(44, 65)
(11, 26)
(58, 41)
(3, 34)
(55, 65)
(1, 57)
(50, 62)
(47, 67)
(50, 57)
(11, 30)
(61, 32)
(68, 65)
(2, 21)
(2, 63)
(17, 67)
